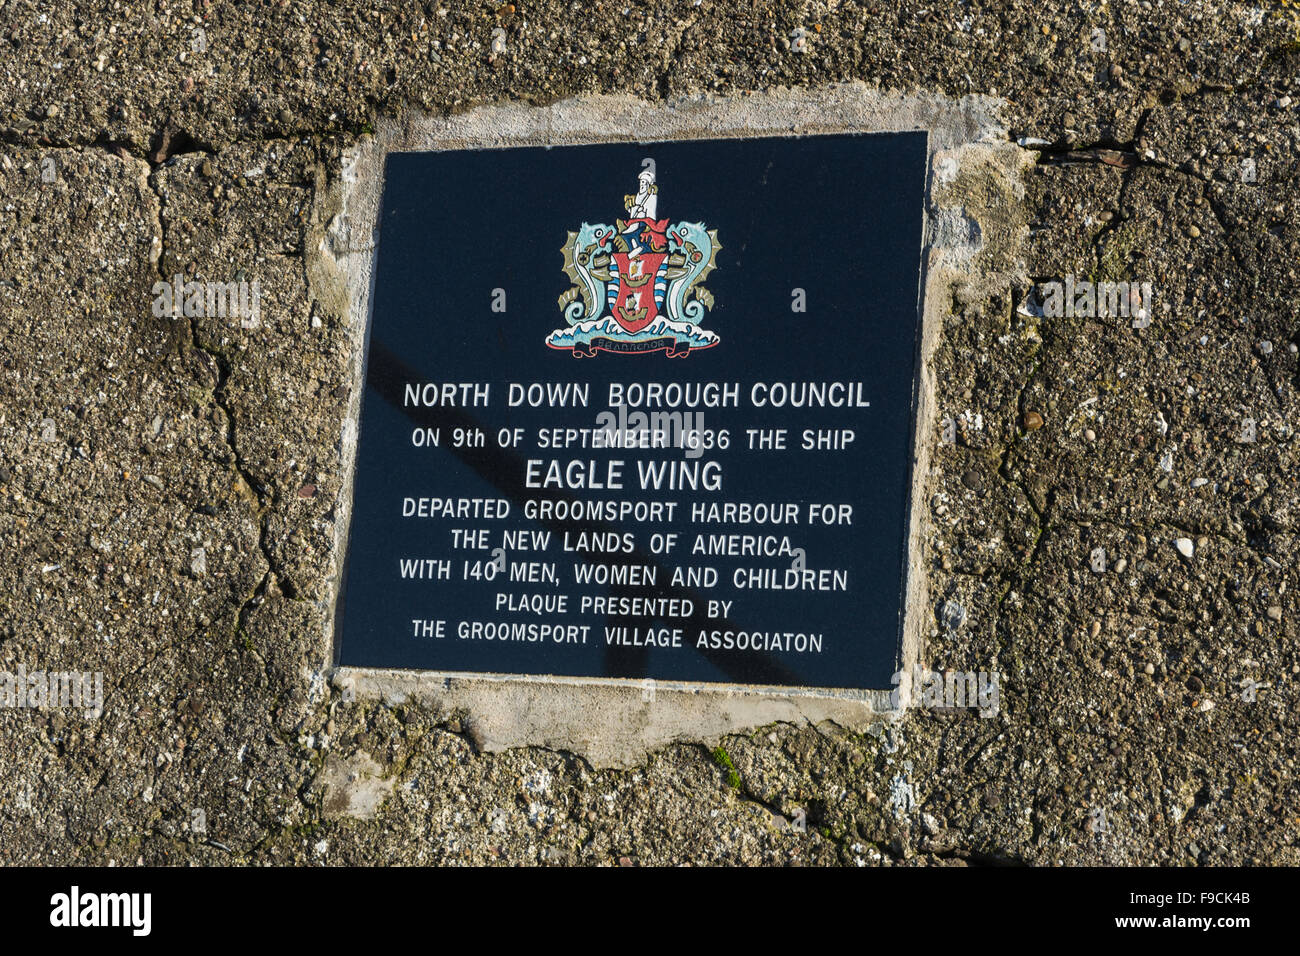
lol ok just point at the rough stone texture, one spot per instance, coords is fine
(128, 442)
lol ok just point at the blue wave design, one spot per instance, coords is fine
(583, 333)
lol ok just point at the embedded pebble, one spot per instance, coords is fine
(1185, 547)
(954, 615)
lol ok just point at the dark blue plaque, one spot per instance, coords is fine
(641, 411)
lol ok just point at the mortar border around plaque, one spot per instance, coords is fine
(509, 710)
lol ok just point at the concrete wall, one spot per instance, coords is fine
(173, 490)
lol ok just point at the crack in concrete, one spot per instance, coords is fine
(273, 576)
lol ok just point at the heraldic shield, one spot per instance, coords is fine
(637, 285)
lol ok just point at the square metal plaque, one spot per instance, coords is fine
(641, 411)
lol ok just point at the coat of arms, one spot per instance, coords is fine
(637, 285)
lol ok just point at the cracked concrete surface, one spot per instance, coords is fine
(127, 442)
